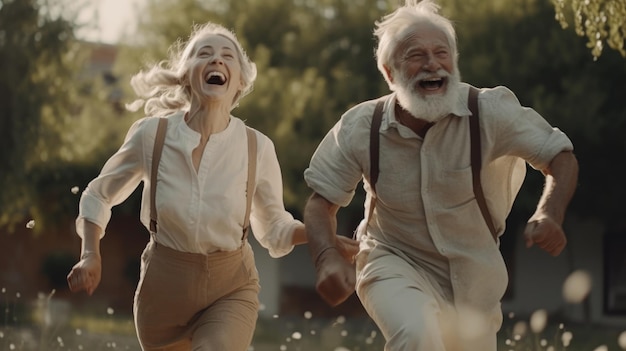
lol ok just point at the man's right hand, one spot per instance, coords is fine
(336, 277)
(86, 274)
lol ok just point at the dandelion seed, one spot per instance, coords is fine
(341, 320)
(262, 307)
(308, 315)
(18, 295)
(110, 311)
(30, 224)
(4, 290)
(11, 346)
(566, 338)
(538, 321)
(313, 332)
(519, 329)
(543, 342)
(341, 348)
(80, 347)
(344, 333)
(275, 316)
(621, 340)
(79, 332)
(601, 348)
(369, 341)
(1, 334)
(74, 190)
(282, 348)
(511, 315)
(577, 286)
(373, 334)
(550, 348)
(296, 335)
(508, 342)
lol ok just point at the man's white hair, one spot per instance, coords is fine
(395, 27)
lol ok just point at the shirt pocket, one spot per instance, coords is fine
(454, 187)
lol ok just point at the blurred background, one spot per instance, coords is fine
(64, 72)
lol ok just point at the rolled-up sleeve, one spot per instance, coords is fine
(119, 177)
(272, 225)
(334, 170)
(523, 132)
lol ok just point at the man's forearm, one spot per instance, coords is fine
(320, 218)
(561, 180)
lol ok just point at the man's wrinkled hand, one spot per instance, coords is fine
(546, 233)
(336, 277)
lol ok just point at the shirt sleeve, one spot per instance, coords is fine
(335, 170)
(523, 132)
(272, 225)
(119, 177)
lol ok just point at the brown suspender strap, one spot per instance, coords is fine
(375, 152)
(250, 184)
(156, 157)
(477, 160)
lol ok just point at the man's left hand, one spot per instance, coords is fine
(546, 233)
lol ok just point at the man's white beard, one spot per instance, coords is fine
(430, 108)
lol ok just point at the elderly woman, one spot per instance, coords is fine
(199, 285)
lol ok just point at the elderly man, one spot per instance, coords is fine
(429, 271)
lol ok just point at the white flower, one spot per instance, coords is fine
(538, 321)
(577, 286)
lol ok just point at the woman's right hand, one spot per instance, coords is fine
(86, 274)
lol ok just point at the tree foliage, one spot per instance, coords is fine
(598, 20)
(52, 113)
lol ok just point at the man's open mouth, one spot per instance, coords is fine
(432, 83)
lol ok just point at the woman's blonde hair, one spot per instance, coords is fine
(163, 89)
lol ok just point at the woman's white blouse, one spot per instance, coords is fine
(203, 211)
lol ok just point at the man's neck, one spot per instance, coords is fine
(417, 125)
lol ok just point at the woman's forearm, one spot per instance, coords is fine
(91, 239)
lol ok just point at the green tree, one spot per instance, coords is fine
(598, 20)
(52, 120)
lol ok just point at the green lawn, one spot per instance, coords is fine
(112, 332)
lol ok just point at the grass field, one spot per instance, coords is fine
(45, 326)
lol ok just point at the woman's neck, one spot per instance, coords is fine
(207, 120)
